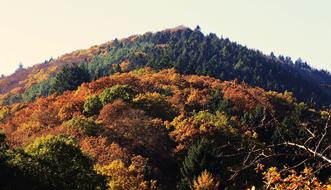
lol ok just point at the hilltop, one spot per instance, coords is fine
(189, 52)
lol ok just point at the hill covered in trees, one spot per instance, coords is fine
(189, 52)
(175, 109)
(150, 129)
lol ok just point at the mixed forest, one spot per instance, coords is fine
(175, 109)
(189, 52)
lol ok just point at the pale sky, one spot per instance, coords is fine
(34, 30)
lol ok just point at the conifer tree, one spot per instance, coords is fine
(200, 157)
(69, 78)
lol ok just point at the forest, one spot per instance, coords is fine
(160, 129)
(175, 109)
(189, 52)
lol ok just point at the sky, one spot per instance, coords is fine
(35, 30)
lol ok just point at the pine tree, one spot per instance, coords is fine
(200, 157)
(69, 78)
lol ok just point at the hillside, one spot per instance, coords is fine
(24, 79)
(149, 129)
(189, 52)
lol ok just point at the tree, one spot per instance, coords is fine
(92, 105)
(118, 91)
(306, 180)
(4, 112)
(197, 29)
(103, 151)
(20, 66)
(218, 103)
(69, 78)
(10, 177)
(56, 162)
(206, 181)
(155, 105)
(203, 123)
(200, 157)
(82, 125)
(121, 177)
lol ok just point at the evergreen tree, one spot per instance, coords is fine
(200, 157)
(20, 66)
(69, 78)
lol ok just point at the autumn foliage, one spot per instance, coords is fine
(138, 127)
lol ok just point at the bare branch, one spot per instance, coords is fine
(309, 150)
(324, 134)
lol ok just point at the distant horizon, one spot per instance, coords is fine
(34, 31)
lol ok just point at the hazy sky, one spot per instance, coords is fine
(34, 30)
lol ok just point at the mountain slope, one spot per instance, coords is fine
(160, 130)
(190, 52)
(23, 79)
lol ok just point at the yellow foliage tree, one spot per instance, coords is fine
(206, 182)
(306, 180)
(4, 112)
(120, 177)
(202, 123)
